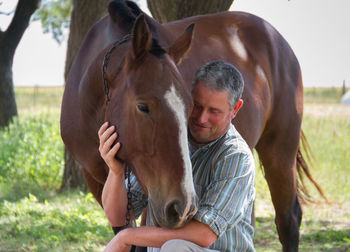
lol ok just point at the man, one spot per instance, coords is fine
(223, 173)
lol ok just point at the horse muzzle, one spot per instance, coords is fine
(174, 214)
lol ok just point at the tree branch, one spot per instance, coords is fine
(19, 23)
(6, 13)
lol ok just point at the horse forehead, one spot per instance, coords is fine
(175, 101)
(160, 76)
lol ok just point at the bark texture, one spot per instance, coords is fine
(84, 14)
(170, 10)
(9, 41)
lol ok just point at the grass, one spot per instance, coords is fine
(34, 217)
(322, 95)
(31, 156)
(64, 222)
(37, 98)
(325, 227)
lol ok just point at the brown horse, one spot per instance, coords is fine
(148, 80)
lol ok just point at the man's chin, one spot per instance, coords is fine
(200, 137)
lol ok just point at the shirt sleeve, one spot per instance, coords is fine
(230, 191)
(139, 199)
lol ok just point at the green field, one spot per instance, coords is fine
(34, 217)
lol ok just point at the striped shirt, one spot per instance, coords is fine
(223, 174)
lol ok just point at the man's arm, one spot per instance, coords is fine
(114, 197)
(149, 236)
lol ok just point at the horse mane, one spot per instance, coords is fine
(135, 9)
(125, 13)
(121, 14)
(156, 49)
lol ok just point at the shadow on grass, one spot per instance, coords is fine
(69, 222)
(266, 237)
(73, 221)
(326, 240)
(316, 236)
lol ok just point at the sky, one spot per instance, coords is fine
(317, 30)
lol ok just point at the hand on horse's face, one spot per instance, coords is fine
(107, 136)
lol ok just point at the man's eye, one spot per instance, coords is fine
(143, 108)
(215, 112)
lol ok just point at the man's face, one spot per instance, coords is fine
(211, 115)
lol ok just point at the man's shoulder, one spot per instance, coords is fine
(233, 143)
(233, 153)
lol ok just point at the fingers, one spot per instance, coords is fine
(107, 136)
(102, 129)
(105, 133)
(110, 140)
(114, 149)
(108, 153)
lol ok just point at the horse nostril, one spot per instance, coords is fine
(172, 211)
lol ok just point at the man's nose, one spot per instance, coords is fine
(202, 117)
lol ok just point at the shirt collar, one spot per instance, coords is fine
(196, 146)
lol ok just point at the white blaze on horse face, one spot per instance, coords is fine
(176, 104)
(237, 44)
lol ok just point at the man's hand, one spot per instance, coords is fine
(107, 136)
(117, 244)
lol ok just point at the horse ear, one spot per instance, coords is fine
(141, 37)
(182, 45)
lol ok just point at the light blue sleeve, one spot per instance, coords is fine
(230, 191)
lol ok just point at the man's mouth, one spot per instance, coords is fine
(202, 126)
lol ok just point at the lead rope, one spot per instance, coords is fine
(116, 230)
(105, 64)
(129, 196)
(106, 91)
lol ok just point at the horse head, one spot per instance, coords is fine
(150, 105)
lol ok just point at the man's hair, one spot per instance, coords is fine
(221, 76)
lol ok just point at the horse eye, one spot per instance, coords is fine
(143, 108)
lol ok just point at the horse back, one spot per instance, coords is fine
(271, 72)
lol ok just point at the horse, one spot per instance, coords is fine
(138, 75)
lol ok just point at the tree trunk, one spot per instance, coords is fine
(73, 174)
(84, 15)
(169, 10)
(9, 41)
(8, 107)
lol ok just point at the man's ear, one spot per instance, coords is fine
(236, 108)
(182, 45)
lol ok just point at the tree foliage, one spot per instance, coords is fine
(55, 17)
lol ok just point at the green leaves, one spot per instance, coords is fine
(31, 155)
(55, 17)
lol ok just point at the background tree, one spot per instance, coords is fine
(55, 17)
(169, 10)
(9, 41)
